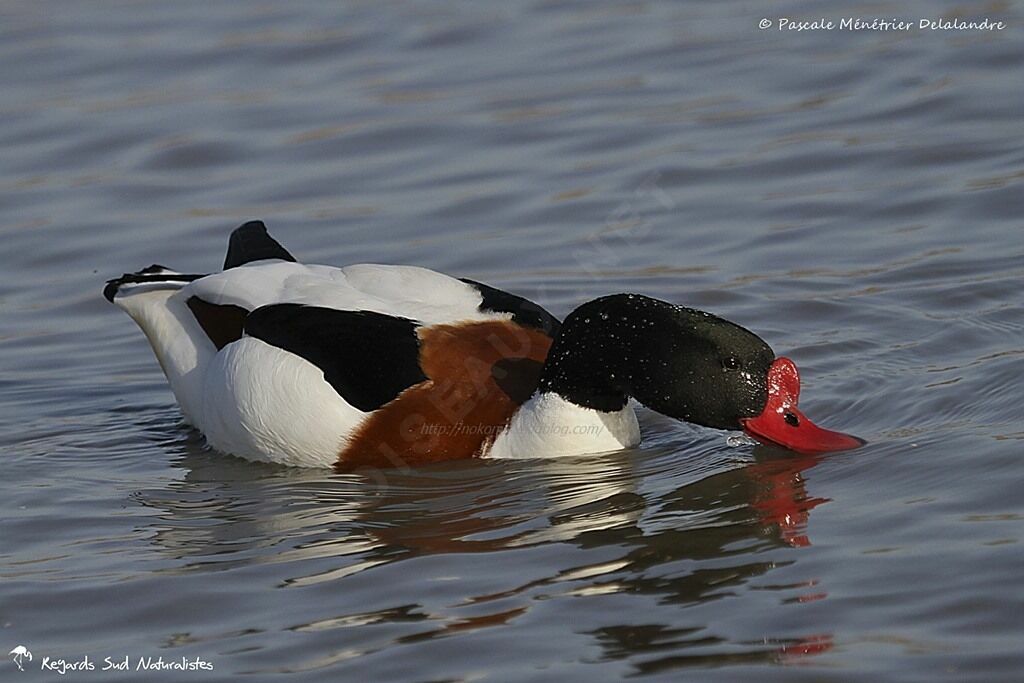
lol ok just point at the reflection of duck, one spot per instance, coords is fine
(738, 515)
(589, 502)
(621, 642)
(780, 497)
(517, 534)
(374, 365)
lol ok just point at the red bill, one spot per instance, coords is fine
(782, 424)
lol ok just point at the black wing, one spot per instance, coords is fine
(251, 242)
(222, 323)
(369, 358)
(524, 311)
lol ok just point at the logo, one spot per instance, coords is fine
(20, 653)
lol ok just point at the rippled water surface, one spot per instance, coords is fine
(854, 197)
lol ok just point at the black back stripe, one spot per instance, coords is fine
(251, 242)
(524, 312)
(368, 358)
(222, 323)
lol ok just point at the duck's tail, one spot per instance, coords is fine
(171, 320)
(249, 242)
(178, 341)
(150, 278)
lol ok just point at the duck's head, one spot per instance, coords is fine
(684, 363)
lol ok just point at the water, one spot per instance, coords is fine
(855, 198)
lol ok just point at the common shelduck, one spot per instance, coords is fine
(383, 366)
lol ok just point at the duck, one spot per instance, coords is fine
(383, 366)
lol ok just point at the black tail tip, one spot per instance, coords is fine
(111, 289)
(150, 274)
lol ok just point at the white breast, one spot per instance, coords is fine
(549, 426)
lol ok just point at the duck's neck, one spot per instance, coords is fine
(603, 353)
(582, 401)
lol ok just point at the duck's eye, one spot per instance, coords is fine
(731, 363)
(791, 419)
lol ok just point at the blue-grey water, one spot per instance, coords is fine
(855, 197)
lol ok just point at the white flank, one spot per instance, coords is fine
(263, 403)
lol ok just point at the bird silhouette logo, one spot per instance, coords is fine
(19, 654)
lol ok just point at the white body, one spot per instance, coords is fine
(260, 402)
